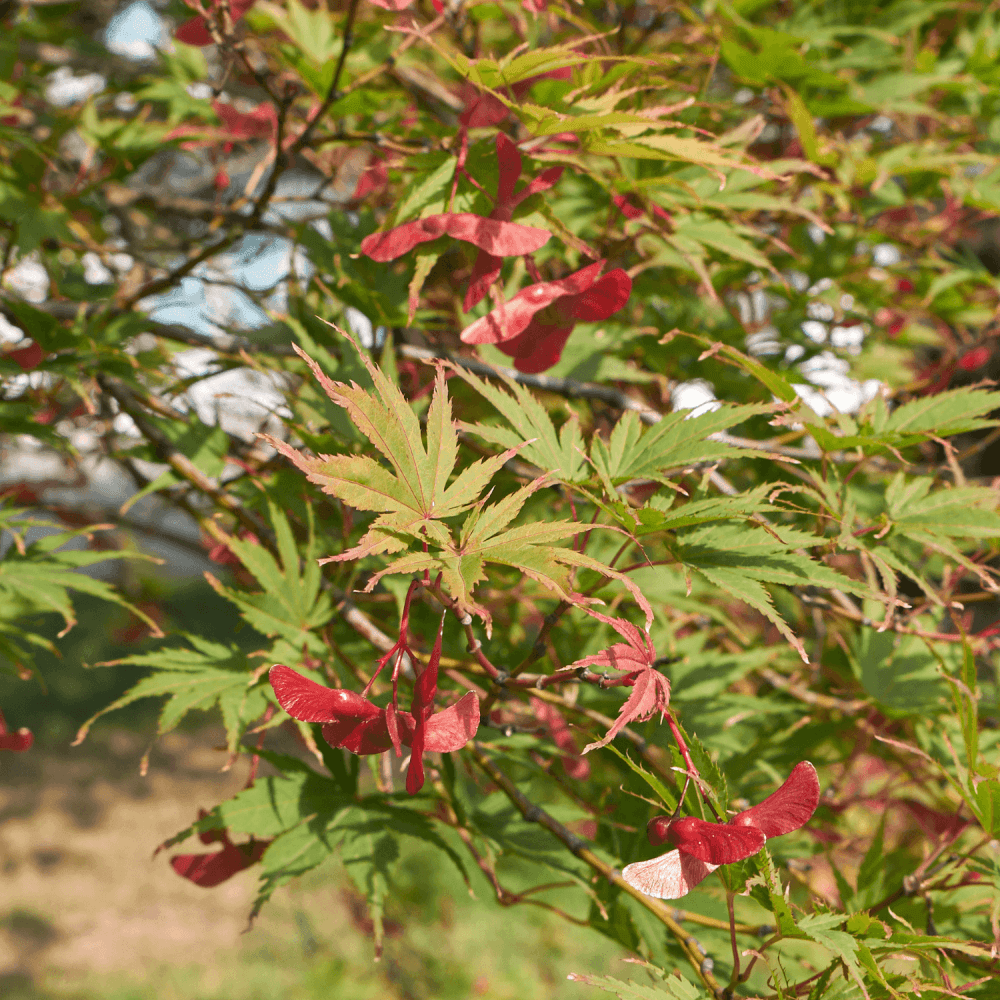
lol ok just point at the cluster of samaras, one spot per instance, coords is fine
(700, 847)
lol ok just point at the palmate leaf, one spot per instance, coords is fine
(739, 559)
(941, 521)
(529, 426)
(673, 987)
(943, 414)
(413, 496)
(38, 576)
(292, 604)
(486, 538)
(676, 441)
(201, 677)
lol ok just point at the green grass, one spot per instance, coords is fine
(311, 943)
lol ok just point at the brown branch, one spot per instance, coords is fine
(811, 697)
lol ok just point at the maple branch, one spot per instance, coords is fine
(811, 697)
(505, 897)
(535, 814)
(178, 461)
(332, 94)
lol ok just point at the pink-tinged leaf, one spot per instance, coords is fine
(308, 701)
(669, 876)
(714, 843)
(650, 694)
(208, 870)
(934, 823)
(636, 653)
(393, 5)
(502, 239)
(451, 728)
(787, 809)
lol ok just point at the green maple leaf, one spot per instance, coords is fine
(412, 495)
(528, 425)
(739, 559)
(677, 440)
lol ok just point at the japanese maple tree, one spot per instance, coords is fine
(603, 441)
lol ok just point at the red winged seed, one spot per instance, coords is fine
(787, 809)
(486, 268)
(502, 239)
(308, 701)
(536, 342)
(669, 876)
(603, 298)
(360, 737)
(714, 843)
(18, 741)
(709, 845)
(657, 829)
(353, 722)
(208, 870)
(453, 727)
(513, 317)
(538, 348)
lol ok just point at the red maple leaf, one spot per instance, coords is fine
(701, 847)
(535, 324)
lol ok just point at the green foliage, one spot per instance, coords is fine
(780, 196)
